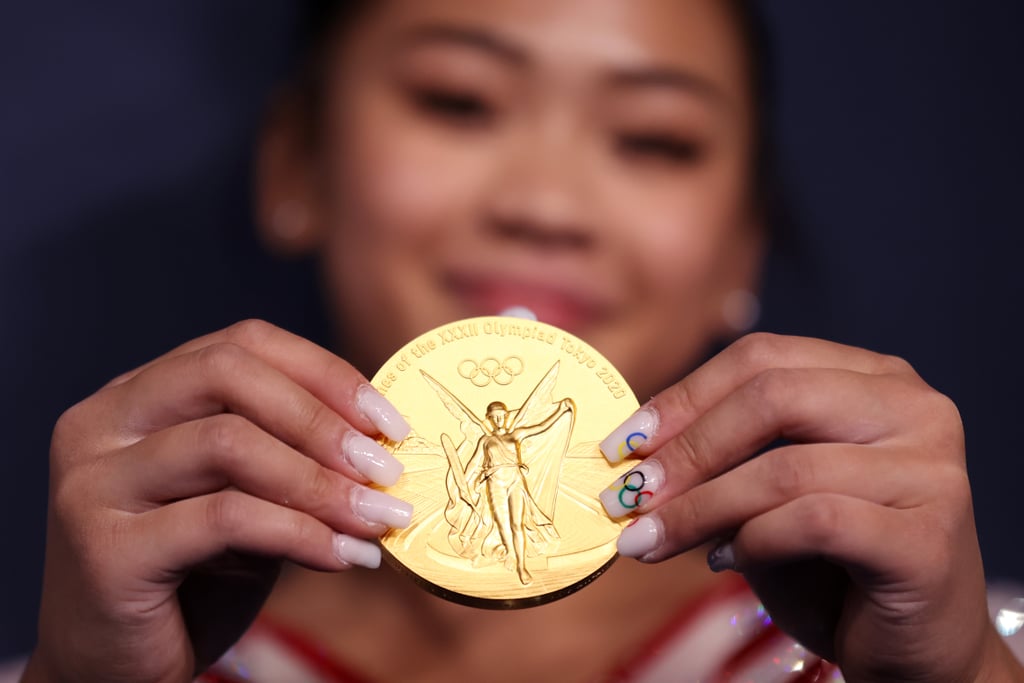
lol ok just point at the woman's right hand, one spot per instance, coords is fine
(177, 490)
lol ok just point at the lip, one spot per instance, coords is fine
(561, 302)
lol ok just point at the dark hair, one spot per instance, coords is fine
(760, 71)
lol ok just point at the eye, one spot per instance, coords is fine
(461, 107)
(669, 148)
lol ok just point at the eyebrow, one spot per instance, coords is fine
(449, 34)
(671, 78)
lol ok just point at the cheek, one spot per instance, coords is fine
(401, 182)
(393, 200)
(680, 240)
(678, 253)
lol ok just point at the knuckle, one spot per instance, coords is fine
(821, 521)
(76, 440)
(951, 427)
(895, 365)
(67, 501)
(320, 421)
(940, 421)
(758, 350)
(225, 513)
(769, 393)
(303, 531)
(695, 453)
(67, 431)
(679, 400)
(945, 411)
(251, 333)
(788, 477)
(319, 488)
(226, 438)
(223, 359)
(688, 510)
(768, 385)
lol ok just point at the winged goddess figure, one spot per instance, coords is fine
(500, 508)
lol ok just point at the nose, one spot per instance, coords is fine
(540, 196)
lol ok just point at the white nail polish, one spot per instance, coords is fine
(377, 507)
(633, 489)
(356, 551)
(381, 413)
(641, 537)
(519, 312)
(630, 435)
(370, 459)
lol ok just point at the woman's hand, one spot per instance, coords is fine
(856, 530)
(178, 488)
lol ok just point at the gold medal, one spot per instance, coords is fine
(502, 465)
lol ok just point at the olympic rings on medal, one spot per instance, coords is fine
(631, 443)
(491, 370)
(631, 495)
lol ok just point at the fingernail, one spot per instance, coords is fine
(722, 557)
(630, 435)
(519, 312)
(640, 537)
(370, 459)
(377, 507)
(381, 413)
(356, 551)
(633, 489)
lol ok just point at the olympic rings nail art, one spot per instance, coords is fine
(632, 490)
(630, 435)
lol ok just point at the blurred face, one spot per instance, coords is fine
(587, 159)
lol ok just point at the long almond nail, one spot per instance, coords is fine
(355, 551)
(633, 489)
(641, 537)
(371, 459)
(384, 416)
(377, 507)
(630, 435)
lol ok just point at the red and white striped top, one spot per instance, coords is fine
(724, 636)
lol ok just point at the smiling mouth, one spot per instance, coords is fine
(552, 304)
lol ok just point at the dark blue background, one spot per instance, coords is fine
(125, 135)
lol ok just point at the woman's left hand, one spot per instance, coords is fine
(857, 532)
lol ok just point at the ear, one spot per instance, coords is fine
(286, 208)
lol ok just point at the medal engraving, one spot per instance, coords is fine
(503, 466)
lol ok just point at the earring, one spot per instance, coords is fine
(741, 310)
(290, 221)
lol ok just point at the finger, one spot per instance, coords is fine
(223, 451)
(675, 408)
(177, 537)
(329, 378)
(718, 507)
(843, 529)
(867, 539)
(826, 406)
(218, 379)
(211, 453)
(836, 406)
